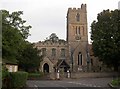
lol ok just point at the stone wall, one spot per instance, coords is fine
(85, 75)
(94, 75)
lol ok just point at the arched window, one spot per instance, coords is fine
(79, 29)
(79, 58)
(44, 51)
(78, 17)
(62, 52)
(53, 52)
(83, 30)
(76, 29)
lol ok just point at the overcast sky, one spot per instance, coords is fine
(49, 16)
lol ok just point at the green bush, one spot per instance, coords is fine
(5, 72)
(116, 82)
(35, 75)
(5, 77)
(18, 79)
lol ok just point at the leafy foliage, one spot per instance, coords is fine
(116, 82)
(54, 38)
(18, 79)
(15, 48)
(11, 41)
(14, 20)
(15, 80)
(105, 34)
(29, 60)
(4, 73)
(5, 77)
(14, 34)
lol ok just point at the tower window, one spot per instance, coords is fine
(76, 29)
(79, 58)
(83, 30)
(78, 17)
(79, 30)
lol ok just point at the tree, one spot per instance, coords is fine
(29, 59)
(54, 38)
(14, 33)
(14, 20)
(105, 34)
(15, 48)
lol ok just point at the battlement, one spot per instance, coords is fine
(50, 43)
(73, 9)
(83, 8)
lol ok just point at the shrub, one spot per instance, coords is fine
(18, 79)
(116, 82)
(35, 75)
(5, 73)
(5, 77)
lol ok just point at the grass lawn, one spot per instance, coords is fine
(116, 82)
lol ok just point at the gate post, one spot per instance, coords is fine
(58, 75)
(68, 73)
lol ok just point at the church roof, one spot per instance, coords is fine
(5, 61)
(61, 63)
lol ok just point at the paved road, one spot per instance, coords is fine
(67, 83)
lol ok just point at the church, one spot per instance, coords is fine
(72, 54)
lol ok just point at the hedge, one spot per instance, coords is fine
(5, 77)
(18, 79)
(35, 75)
(5, 73)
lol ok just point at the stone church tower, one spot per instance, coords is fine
(71, 54)
(77, 37)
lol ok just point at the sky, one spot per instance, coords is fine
(49, 16)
